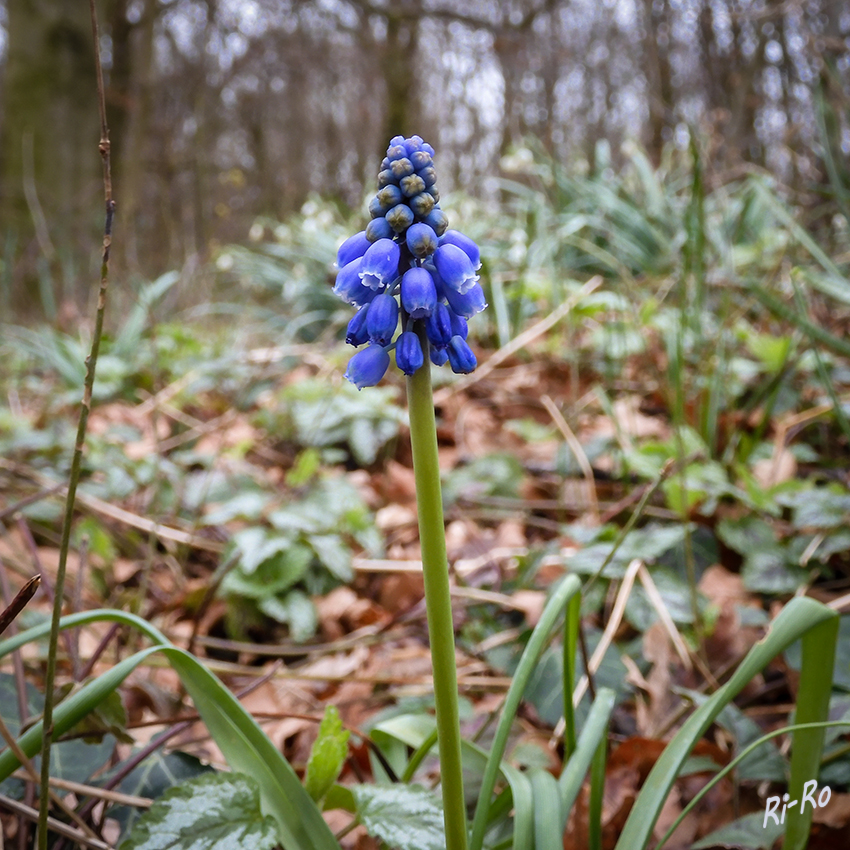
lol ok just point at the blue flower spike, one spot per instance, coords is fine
(407, 264)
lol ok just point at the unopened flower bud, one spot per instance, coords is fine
(401, 167)
(422, 204)
(421, 240)
(379, 228)
(400, 217)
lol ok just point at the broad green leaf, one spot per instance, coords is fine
(327, 755)
(333, 554)
(771, 350)
(404, 817)
(492, 475)
(749, 832)
(244, 505)
(296, 610)
(770, 572)
(218, 811)
(152, 778)
(275, 573)
(767, 566)
(675, 592)
(248, 750)
(820, 507)
(648, 544)
(765, 762)
(702, 481)
(76, 760)
(109, 717)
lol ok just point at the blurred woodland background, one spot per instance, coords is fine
(661, 193)
(224, 110)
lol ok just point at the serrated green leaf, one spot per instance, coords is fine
(296, 610)
(216, 811)
(648, 544)
(245, 505)
(327, 756)
(276, 573)
(405, 817)
(333, 554)
(152, 778)
(770, 572)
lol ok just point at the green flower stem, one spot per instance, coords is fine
(435, 569)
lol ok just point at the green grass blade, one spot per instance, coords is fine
(790, 314)
(595, 729)
(827, 130)
(819, 646)
(572, 624)
(99, 615)
(522, 795)
(597, 789)
(72, 710)
(798, 619)
(834, 285)
(735, 762)
(557, 603)
(547, 811)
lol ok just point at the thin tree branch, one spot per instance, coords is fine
(76, 463)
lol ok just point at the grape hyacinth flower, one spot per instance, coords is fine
(407, 252)
(415, 285)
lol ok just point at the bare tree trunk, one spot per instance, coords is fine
(398, 63)
(49, 165)
(137, 47)
(658, 74)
